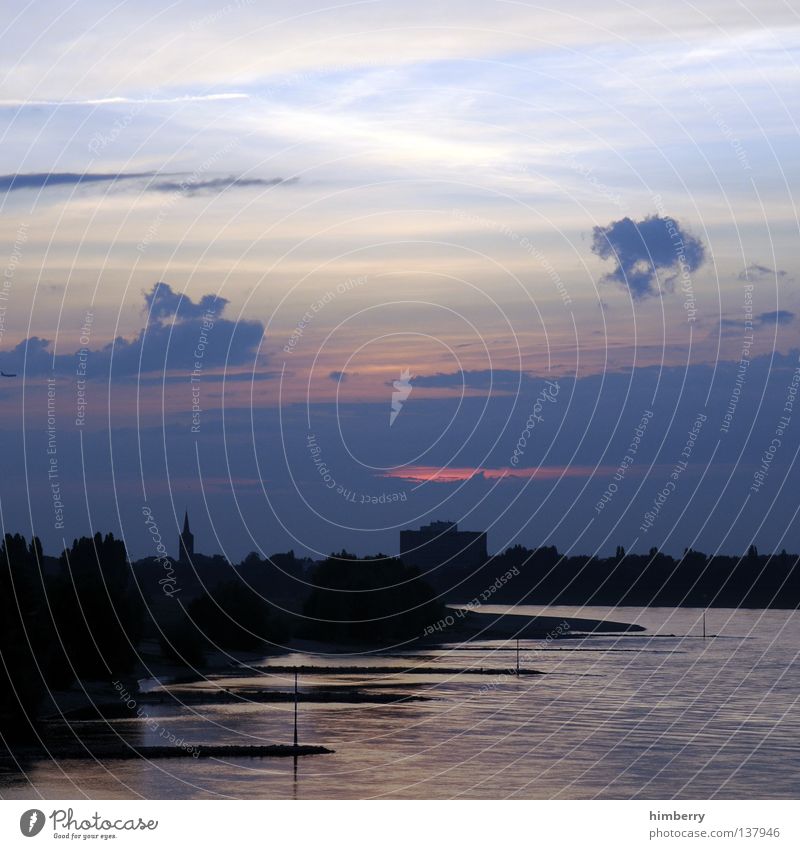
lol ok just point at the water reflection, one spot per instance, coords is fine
(659, 714)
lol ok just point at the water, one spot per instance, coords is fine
(661, 714)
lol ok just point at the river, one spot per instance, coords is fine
(657, 714)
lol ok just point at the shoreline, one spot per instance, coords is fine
(469, 625)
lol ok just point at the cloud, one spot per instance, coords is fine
(179, 332)
(17, 182)
(642, 249)
(338, 376)
(117, 101)
(450, 474)
(217, 184)
(163, 302)
(775, 317)
(754, 271)
(497, 379)
(189, 185)
(732, 326)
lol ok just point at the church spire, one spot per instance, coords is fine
(185, 541)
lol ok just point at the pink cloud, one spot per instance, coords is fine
(433, 474)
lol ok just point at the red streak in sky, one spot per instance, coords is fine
(426, 474)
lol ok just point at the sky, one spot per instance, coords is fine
(447, 257)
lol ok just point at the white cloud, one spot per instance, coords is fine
(94, 52)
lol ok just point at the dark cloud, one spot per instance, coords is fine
(643, 249)
(191, 186)
(775, 317)
(16, 182)
(497, 379)
(32, 356)
(163, 347)
(248, 376)
(187, 184)
(177, 329)
(338, 376)
(754, 271)
(163, 302)
(731, 326)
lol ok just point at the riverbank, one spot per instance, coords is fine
(464, 625)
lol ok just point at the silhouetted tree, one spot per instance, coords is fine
(30, 661)
(180, 640)
(375, 600)
(234, 616)
(98, 611)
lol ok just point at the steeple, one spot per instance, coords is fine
(185, 541)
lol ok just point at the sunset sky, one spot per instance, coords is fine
(489, 195)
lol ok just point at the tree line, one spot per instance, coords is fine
(655, 579)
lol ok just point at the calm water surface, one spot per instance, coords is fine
(661, 714)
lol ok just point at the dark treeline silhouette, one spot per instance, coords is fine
(376, 600)
(231, 616)
(82, 620)
(279, 577)
(98, 613)
(652, 579)
(210, 605)
(27, 659)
